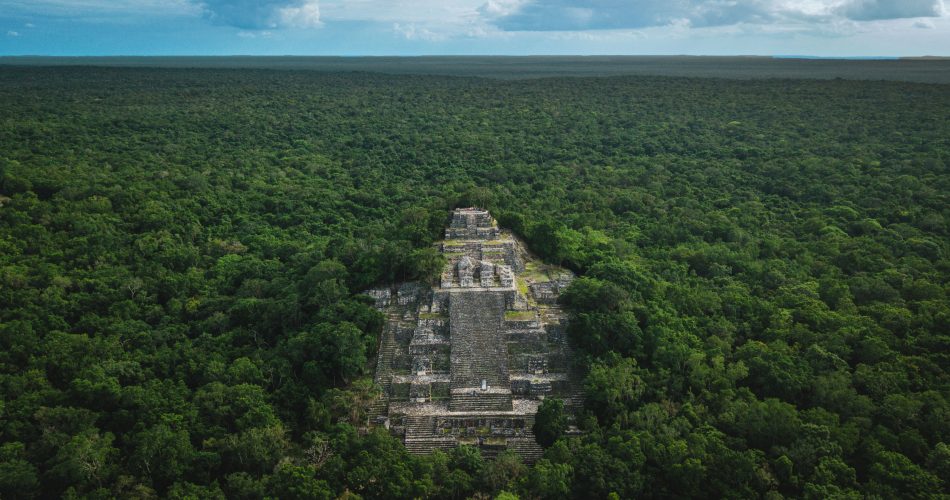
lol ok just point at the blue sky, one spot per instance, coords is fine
(511, 27)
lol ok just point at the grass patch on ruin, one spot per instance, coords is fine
(522, 286)
(520, 315)
(539, 272)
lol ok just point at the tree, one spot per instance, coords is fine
(613, 388)
(327, 353)
(550, 480)
(426, 264)
(344, 352)
(86, 461)
(893, 474)
(298, 483)
(18, 477)
(549, 422)
(256, 450)
(594, 295)
(354, 401)
(164, 451)
(324, 284)
(502, 473)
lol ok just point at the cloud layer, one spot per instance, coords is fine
(572, 15)
(818, 27)
(871, 10)
(263, 14)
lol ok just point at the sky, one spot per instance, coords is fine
(831, 28)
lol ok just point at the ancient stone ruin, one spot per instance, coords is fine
(469, 361)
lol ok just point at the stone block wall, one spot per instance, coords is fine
(441, 343)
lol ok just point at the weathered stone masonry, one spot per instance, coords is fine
(468, 362)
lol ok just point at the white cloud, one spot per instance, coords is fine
(599, 35)
(574, 15)
(100, 8)
(414, 32)
(631, 25)
(255, 34)
(501, 8)
(306, 15)
(263, 14)
(421, 20)
(869, 10)
(13, 33)
(431, 12)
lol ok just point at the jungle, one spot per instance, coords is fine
(761, 308)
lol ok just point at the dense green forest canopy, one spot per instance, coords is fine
(762, 310)
(925, 69)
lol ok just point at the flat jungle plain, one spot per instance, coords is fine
(761, 308)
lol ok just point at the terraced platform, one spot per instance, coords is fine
(479, 353)
(497, 310)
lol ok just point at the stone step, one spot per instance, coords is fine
(481, 402)
(378, 408)
(419, 427)
(527, 448)
(387, 345)
(426, 446)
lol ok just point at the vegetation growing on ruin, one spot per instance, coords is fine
(763, 307)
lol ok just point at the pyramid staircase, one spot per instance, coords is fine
(384, 369)
(480, 401)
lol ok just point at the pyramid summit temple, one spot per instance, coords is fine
(469, 361)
